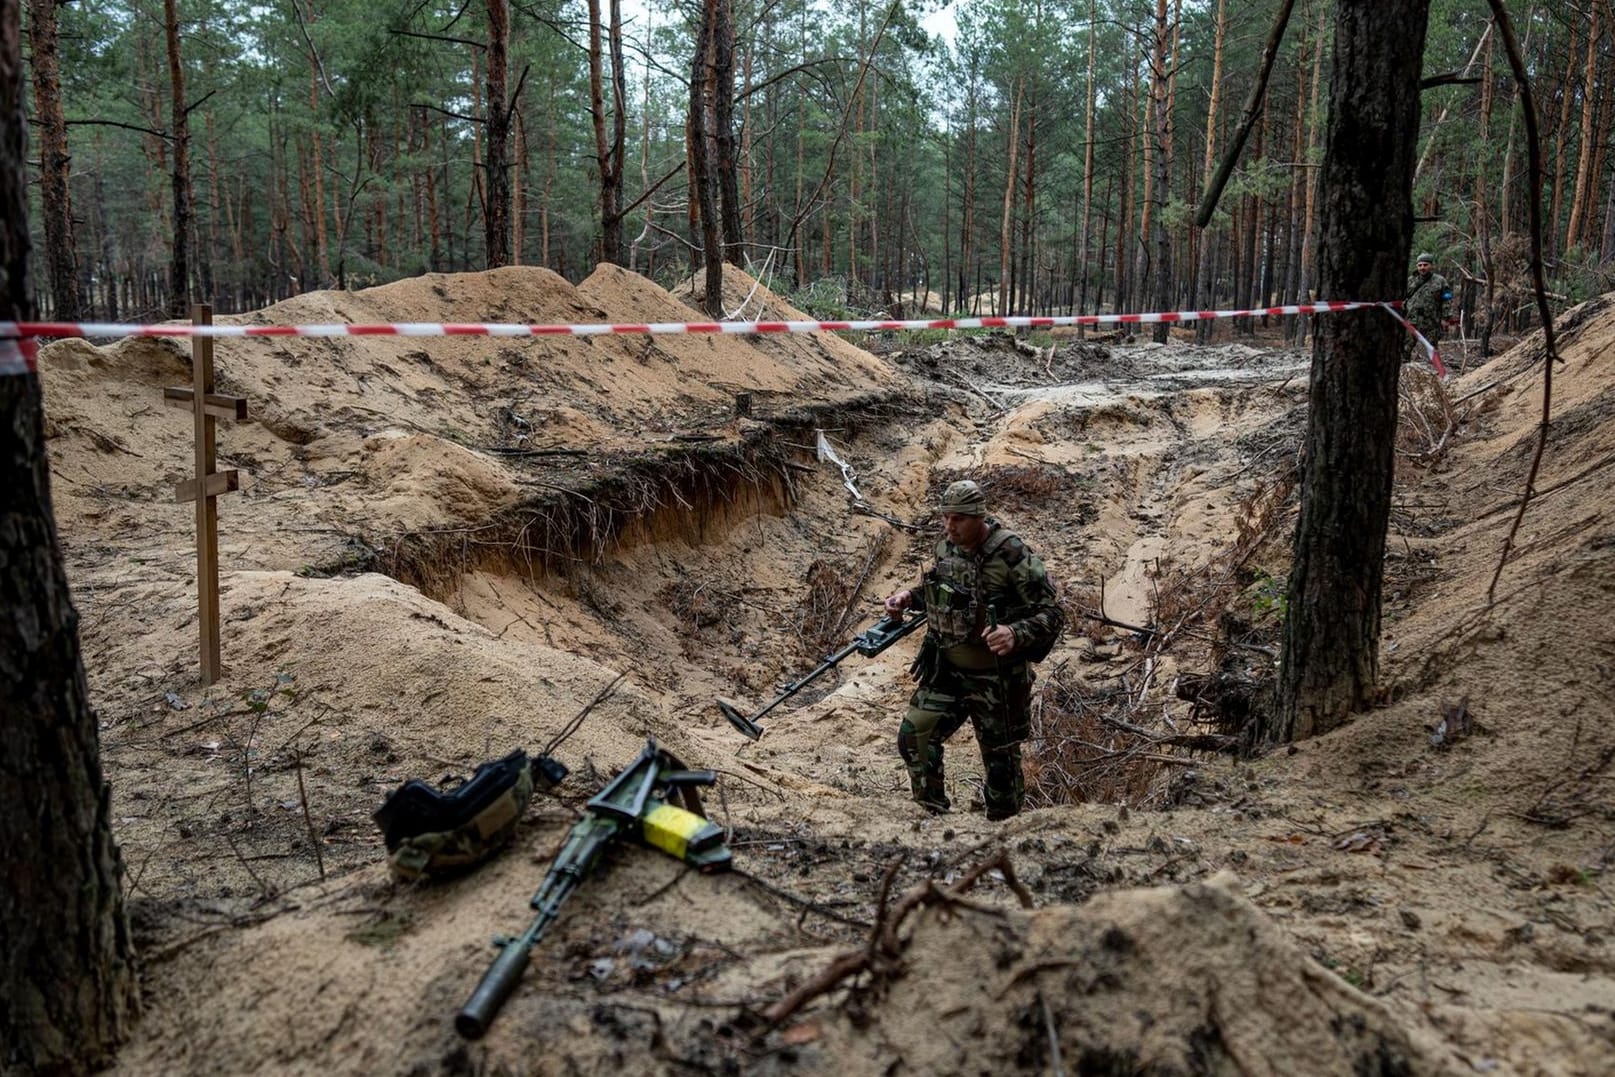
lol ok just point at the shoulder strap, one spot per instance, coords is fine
(1005, 543)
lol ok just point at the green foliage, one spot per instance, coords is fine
(825, 299)
(341, 142)
(1269, 596)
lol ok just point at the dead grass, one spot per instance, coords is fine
(1426, 419)
(1080, 751)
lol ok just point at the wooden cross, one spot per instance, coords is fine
(207, 406)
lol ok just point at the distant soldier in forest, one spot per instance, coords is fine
(1426, 303)
(990, 613)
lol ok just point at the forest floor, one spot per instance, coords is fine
(443, 550)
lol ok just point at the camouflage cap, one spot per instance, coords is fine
(964, 498)
(1425, 256)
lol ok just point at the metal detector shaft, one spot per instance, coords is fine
(830, 662)
(870, 642)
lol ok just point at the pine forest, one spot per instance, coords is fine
(996, 157)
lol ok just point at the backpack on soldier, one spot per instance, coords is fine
(1037, 650)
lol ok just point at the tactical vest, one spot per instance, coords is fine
(967, 593)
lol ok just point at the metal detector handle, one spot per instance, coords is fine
(885, 632)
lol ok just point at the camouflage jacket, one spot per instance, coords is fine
(1001, 582)
(1426, 304)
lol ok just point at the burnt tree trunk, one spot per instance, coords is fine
(1331, 635)
(66, 963)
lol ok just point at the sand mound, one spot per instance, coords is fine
(1404, 903)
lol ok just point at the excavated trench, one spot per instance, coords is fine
(727, 567)
(692, 490)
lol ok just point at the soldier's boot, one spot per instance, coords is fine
(1006, 786)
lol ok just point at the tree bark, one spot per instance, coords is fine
(1584, 158)
(179, 271)
(703, 201)
(1566, 95)
(61, 261)
(496, 150)
(1161, 298)
(1087, 155)
(67, 969)
(1331, 634)
(1005, 233)
(608, 149)
(1202, 293)
(1309, 234)
(723, 135)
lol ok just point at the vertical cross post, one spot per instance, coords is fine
(207, 407)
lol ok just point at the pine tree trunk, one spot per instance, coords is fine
(208, 253)
(518, 194)
(1483, 211)
(1584, 159)
(1028, 274)
(67, 972)
(1005, 233)
(1087, 158)
(61, 261)
(967, 208)
(748, 205)
(179, 272)
(1567, 94)
(1591, 232)
(496, 151)
(1330, 658)
(1309, 225)
(723, 134)
(703, 200)
(1124, 217)
(799, 247)
(1161, 298)
(1202, 294)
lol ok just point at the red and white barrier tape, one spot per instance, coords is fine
(507, 329)
(1430, 351)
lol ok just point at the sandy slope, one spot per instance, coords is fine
(1366, 903)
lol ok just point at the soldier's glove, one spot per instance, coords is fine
(440, 832)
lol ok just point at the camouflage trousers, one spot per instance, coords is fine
(997, 705)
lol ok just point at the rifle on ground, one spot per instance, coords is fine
(870, 642)
(636, 805)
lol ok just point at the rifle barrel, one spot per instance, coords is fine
(583, 847)
(496, 985)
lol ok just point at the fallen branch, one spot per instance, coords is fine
(882, 955)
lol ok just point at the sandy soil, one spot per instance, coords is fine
(443, 550)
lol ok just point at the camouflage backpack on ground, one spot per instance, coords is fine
(436, 832)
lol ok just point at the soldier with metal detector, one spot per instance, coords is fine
(991, 612)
